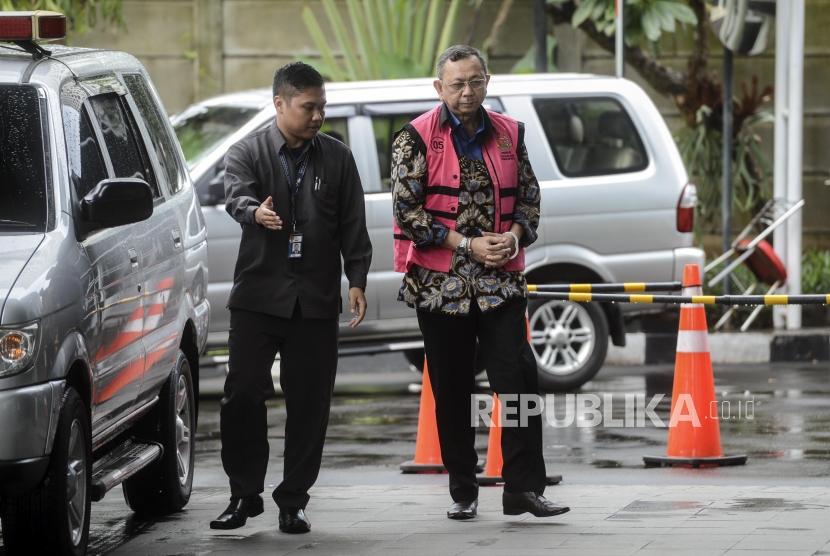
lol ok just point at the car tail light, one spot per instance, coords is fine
(686, 208)
(32, 26)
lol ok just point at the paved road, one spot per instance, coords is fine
(778, 502)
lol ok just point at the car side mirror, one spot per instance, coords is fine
(116, 202)
(213, 193)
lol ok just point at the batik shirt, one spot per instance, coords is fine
(467, 281)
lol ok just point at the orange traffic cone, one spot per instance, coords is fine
(694, 430)
(492, 471)
(427, 448)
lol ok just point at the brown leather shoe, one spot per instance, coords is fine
(238, 512)
(516, 503)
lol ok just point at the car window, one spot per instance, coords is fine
(208, 195)
(126, 154)
(23, 178)
(159, 132)
(591, 136)
(85, 163)
(337, 128)
(385, 127)
(200, 129)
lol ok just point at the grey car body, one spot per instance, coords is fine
(110, 307)
(612, 184)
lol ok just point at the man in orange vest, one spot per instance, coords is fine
(466, 204)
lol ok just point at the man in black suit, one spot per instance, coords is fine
(298, 197)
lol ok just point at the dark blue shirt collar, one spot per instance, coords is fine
(464, 144)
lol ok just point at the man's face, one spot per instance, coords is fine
(463, 86)
(301, 115)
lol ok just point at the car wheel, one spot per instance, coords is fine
(569, 340)
(54, 518)
(165, 485)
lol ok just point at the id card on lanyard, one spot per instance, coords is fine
(295, 238)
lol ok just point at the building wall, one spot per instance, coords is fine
(198, 48)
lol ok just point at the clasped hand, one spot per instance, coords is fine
(491, 249)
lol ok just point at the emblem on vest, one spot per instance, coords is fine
(437, 144)
(506, 147)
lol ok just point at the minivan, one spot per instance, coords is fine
(617, 204)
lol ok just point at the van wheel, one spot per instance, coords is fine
(54, 518)
(569, 340)
(164, 486)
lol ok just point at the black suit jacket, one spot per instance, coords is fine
(330, 216)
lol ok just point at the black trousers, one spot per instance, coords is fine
(450, 345)
(308, 363)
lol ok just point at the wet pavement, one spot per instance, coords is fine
(779, 503)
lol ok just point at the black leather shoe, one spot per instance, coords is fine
(294, 521)
(238, 512)
(463, 510)
(515, 503)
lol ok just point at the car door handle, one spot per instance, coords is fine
(177, 238)
(133, 257)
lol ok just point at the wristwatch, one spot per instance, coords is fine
(463, 247)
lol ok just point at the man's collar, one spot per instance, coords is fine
(278, 139)
(448, 117)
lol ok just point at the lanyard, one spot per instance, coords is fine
(297, 183)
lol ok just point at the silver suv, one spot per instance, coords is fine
(616, 202)
(103, 281)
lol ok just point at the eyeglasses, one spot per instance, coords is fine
(475, 84)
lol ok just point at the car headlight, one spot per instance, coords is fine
(17, 348)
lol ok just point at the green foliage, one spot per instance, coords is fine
(701, 148)
(645, 20)
(527, 64)
(82, 15)
(384, 39)
(815, 271)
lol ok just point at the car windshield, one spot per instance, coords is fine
(23, 191)
(200, 128)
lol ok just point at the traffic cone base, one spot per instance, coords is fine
(667, 461)
(693, 442)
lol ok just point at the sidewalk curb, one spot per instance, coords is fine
(646, 348)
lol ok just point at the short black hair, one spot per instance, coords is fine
(293, 77)
(459, 52)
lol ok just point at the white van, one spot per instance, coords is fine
(616, 202)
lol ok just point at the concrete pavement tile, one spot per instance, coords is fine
(692, 541)
(788, 532)
(770, 552)
(702, 526)
(509, 552)
(801, 542)
(648, 551)
(597, 539)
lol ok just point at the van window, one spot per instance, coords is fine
(85, 163)
(591, 136)
(159, 133)
(385, 127)
(200, 129)
(23, 178)
(337, 128)
(127, 155)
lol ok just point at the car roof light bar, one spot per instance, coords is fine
(25, 28)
